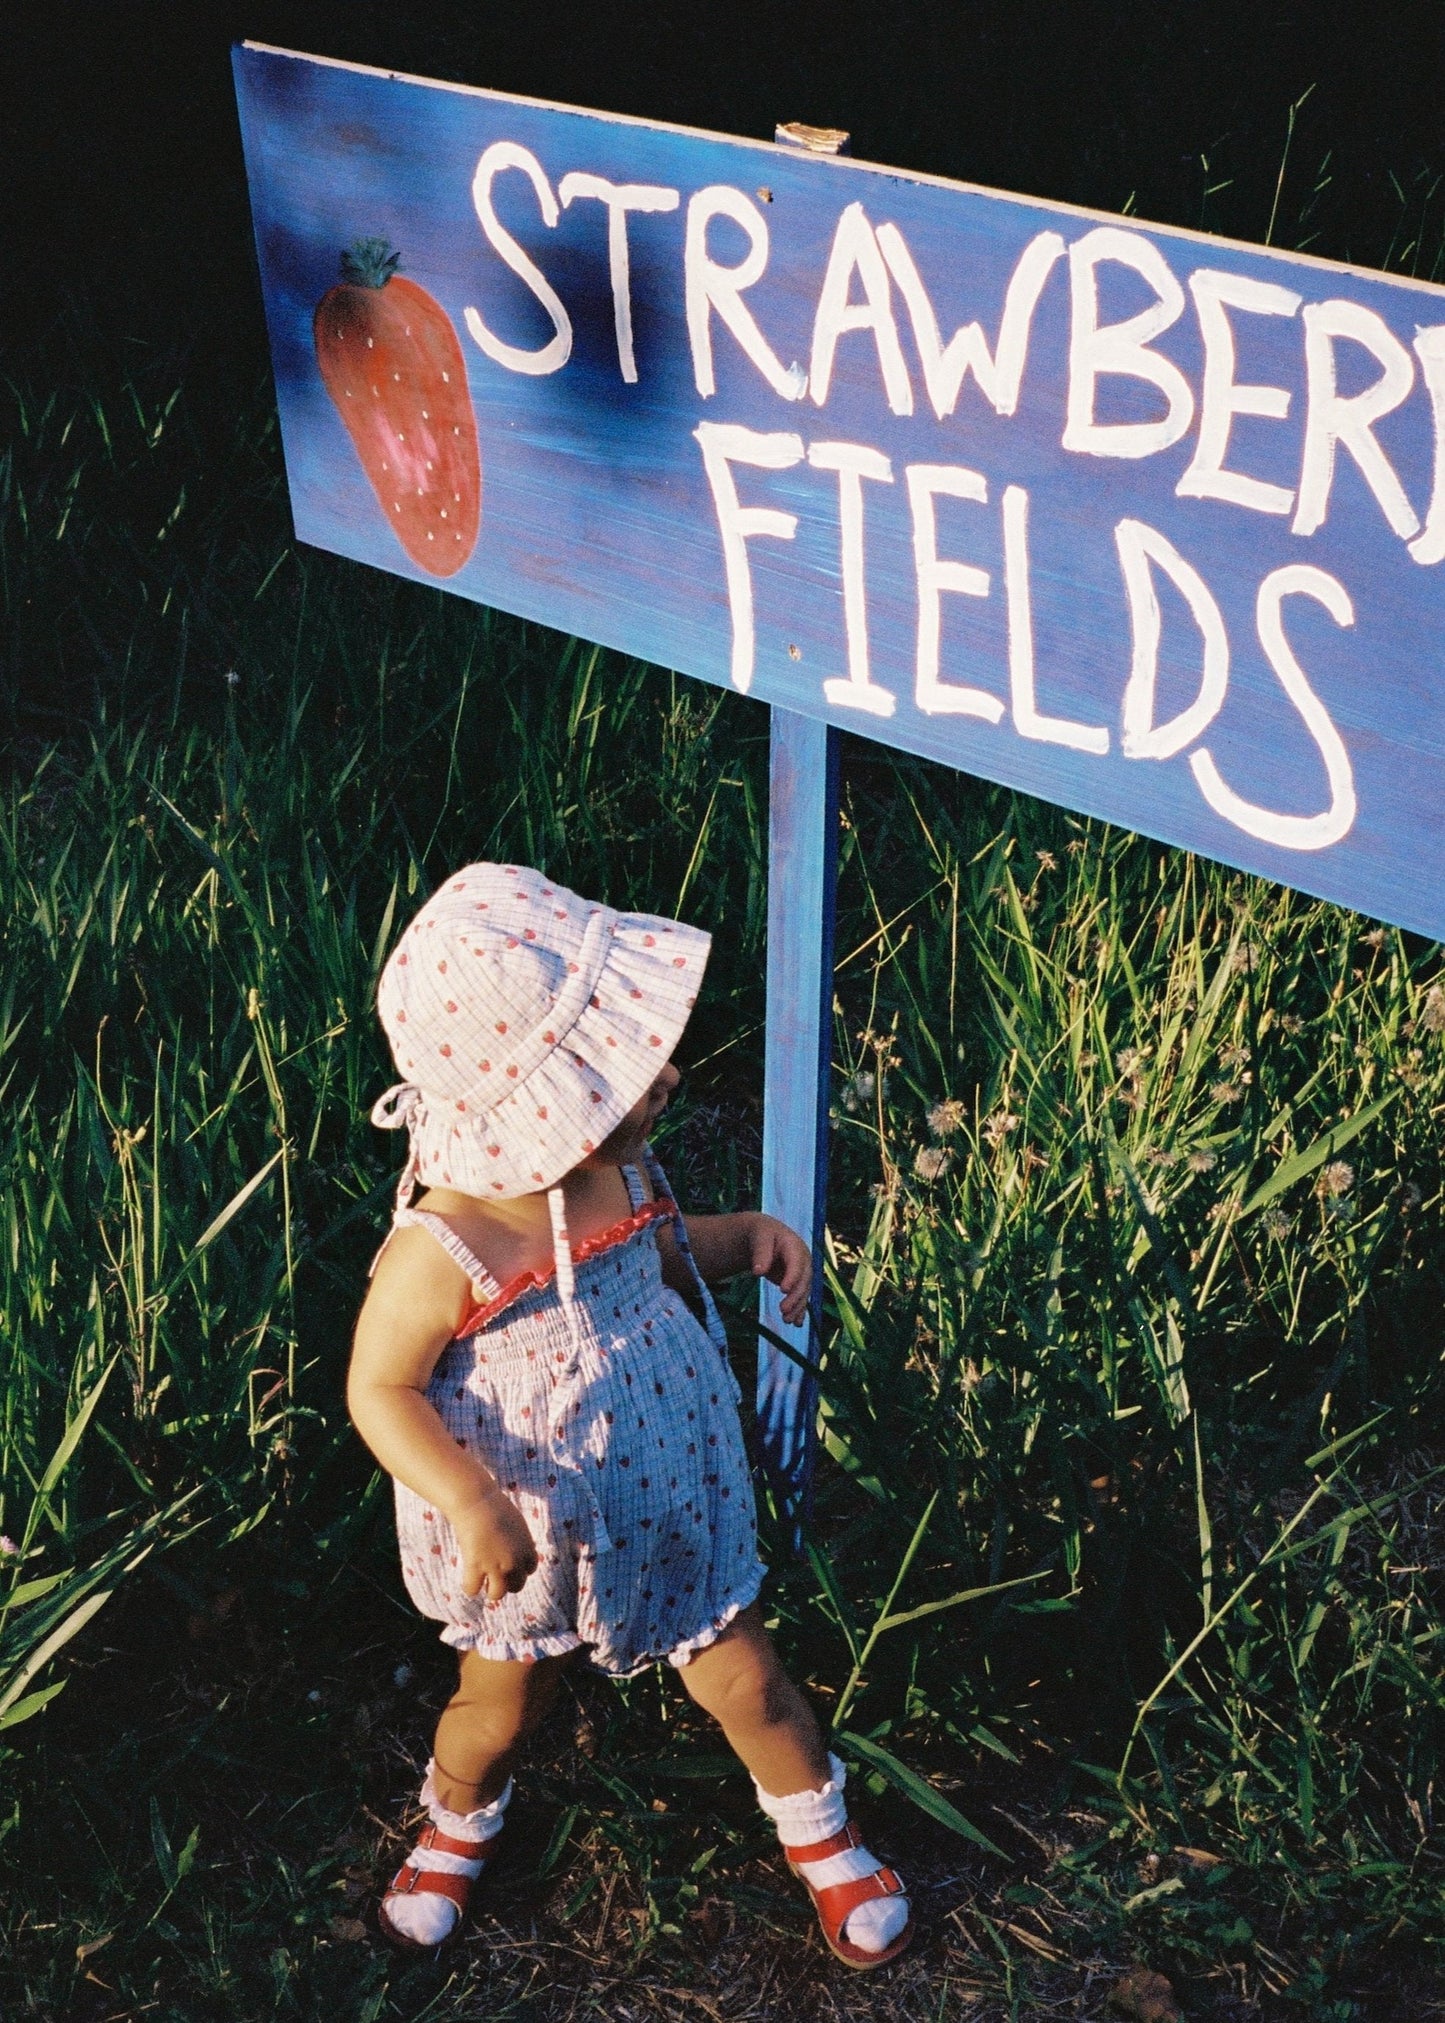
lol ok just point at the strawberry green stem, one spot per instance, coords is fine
(369, 263)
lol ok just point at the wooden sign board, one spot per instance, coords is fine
(1146, 523)
(1142, 522)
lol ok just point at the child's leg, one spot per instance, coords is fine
(496, 1706)
(466, 1791)
(739, 1681)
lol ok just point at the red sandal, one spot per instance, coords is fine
(835, 1901)
(410, 1880)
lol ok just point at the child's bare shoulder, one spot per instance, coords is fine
(412, 1309)
(416, 1275)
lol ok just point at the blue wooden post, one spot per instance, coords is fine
(802, 882)
(802, 898)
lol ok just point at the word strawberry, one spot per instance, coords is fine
(390, 360)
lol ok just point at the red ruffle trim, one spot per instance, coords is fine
(527, 1281)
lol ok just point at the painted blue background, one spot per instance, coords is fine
(597, 516)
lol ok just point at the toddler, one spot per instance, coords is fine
(530, 1367)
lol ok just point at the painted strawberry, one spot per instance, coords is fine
(390, 360)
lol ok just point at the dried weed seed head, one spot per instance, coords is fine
(858, 1090)
(1432, 1012)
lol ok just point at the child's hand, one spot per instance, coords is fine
(780, 1255)
(496, 1549)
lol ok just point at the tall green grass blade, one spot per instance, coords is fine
(860, 1661)
(1323, 1149)
(232, 1209)
(918, 1789)
(74, 1433)
(43, 1653)
(968, 1594)
(12, 1716)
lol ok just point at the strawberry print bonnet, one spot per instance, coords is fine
(527, 1022)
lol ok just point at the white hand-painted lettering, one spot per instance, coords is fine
(1029, 721)
(1348, 420)
(854, 462)
(1122, 349)
(1429, 544)
(710, 287)
(1139, 546)
(1222, 397)
(999, 372)
(552, 356)
(855, 251)
(724, 444)
(620, 198)
(1292, 832)
(935, 574)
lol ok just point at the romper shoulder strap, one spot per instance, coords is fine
(636, 1192)
(484, 1286)
(712, 1318)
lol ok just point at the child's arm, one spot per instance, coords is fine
(725, 1245)
(408, 1317)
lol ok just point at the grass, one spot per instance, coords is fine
(1124, 1590)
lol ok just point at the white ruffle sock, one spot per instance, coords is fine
(424, 1916)
(809, 1816)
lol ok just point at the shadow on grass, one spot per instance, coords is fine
(235, 1784)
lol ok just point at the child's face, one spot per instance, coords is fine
(625, 1141)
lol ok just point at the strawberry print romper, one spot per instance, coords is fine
(609, 1416)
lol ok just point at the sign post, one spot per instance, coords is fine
(1143, 522)
(802, 888)
(802, 906)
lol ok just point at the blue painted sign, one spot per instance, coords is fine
(1147, 523)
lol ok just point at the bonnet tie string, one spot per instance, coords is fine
(562, 1256)
(401, 1108)
(571, 1374)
